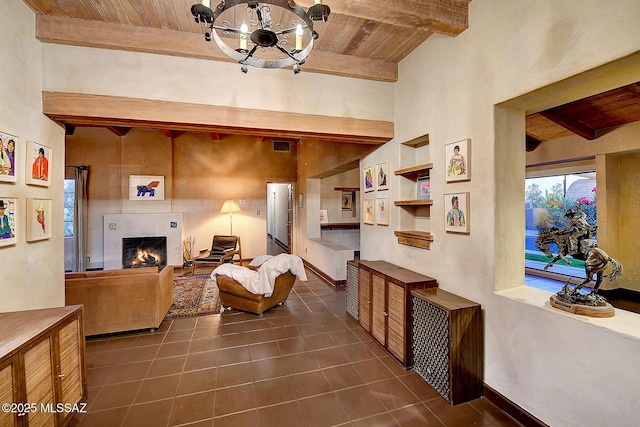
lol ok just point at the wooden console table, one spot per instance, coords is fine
(384, 304)
(42, 366)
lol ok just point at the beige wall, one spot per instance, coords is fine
(31, 274)
(200, 174)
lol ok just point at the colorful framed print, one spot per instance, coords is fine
(458, 160)
(382, 211)
(348, 199)
(146, 187)
(367, 178)
(368, 211)
(324, 216)
(382, 176)
(8, 221)
(424, 188)
(8, 162)
(39, 164)
(38, 219)
(456, 219)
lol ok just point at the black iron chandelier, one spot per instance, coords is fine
(268, 33)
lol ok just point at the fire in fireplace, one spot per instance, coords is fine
(144, 252)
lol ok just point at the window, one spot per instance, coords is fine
(546, 201)
(69, 203)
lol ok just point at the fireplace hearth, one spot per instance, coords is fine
(140, 252)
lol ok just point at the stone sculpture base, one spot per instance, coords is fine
(606, 310)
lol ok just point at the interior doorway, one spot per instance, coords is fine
(280, 218)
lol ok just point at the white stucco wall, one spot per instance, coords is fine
(566, 370)
(31, 274)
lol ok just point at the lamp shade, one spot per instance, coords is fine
(230, 206)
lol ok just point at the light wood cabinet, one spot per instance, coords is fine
(385, 307)
(42, 366)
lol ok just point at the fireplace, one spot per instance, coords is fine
(144, 252)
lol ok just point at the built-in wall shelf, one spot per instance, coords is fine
(413, 203)
(346, 189)
(419, 239)
(415, 172)
(418, 142)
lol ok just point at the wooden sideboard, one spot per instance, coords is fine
(384, 304)
(448, 344)
(42, 366)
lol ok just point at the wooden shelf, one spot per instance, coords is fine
(413, 203)
(415, 172)
(346, 189)
(418, 142)
(419, 239)
(340, 226)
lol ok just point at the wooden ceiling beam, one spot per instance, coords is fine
(448, 17)
(557, 116)
(169, 133)
(103, 35)
(114, 111)
(119, 130)
(531, 143)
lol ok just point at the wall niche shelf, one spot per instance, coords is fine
(415, 211)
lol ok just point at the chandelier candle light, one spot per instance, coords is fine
(263, 28)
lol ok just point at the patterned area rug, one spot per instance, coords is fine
(194, 296)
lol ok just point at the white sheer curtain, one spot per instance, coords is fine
(81, 214)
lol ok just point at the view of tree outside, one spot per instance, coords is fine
(547, 199)
(69, 201)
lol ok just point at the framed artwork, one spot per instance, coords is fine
(367, 177)
(382, 211)
(368, 211)
(38, 219)
(146, 187)
(8, 221)
(458, 160)
(348, 200)
(457, 218)
(39, 160)
(382, 176)
(424, 188)
(8, 157)
(324, 216)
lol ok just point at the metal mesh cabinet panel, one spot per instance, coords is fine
(447, 344)
(352, 289)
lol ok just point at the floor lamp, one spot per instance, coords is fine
(230, 207)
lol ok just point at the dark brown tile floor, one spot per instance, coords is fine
(305, 364)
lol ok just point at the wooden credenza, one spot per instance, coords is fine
(384, 304)
(448, 344)
(42, 366)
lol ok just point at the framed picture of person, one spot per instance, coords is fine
(382, 211)
(367, 208)
(456, 219)
(8, 221)
(38, 219)
(39, 158)
(367, 178)
(8, 162)
(458, 160)
(382, 176)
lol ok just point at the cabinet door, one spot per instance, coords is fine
(8, 389)
(39, 381)
(396, 322)
(364, 299)
(378, 309)
(71, 377)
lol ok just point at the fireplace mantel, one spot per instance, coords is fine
(117, 226)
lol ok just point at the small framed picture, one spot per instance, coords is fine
(367, 178)
(348, 204)
(324, 216)
(382, 176)
(382, 211)
(8, 157)
(38, 219)
(368, 211)
(39, 162)
(8, 221)
(458, 160)
(146, 187)
(424, 188)
(457, 218)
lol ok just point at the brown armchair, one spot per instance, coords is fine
(223, 249)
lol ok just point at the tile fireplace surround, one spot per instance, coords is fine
(117, 226)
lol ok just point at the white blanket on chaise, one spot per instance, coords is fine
(262, 281)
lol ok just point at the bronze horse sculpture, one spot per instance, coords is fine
(595, 259)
